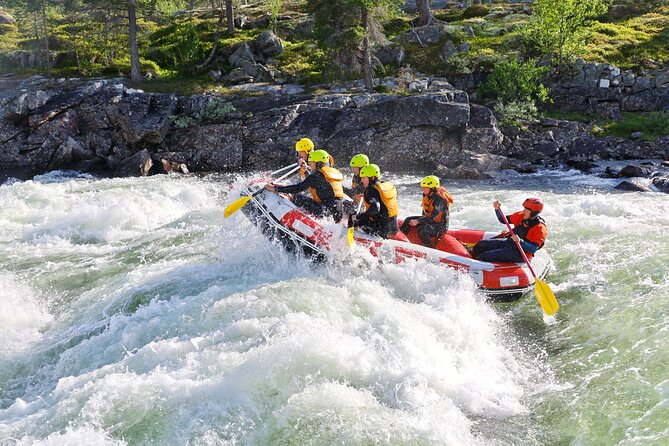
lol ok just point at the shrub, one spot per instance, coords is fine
(515, 81)
(516, 113)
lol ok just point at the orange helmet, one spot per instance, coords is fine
(533, 204)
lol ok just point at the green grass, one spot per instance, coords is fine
(641, 41)
(653, 125)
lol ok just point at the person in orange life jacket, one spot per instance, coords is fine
(304, 147)
(380, 217)
(357, 189)
(433, 224)
(325, 184)
(529, 230)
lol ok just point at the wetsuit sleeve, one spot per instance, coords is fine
(528, 246)
(298, 187)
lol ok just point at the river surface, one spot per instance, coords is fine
(132, 312)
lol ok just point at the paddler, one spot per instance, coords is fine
(357, 162)
(529, 230)
(433, 223)
(380, 199)
(304, 147)
(324, 183)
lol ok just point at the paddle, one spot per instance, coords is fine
(351, 226)
(542, 291)
(276, 172)
(240, 202)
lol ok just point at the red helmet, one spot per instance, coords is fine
(533, 204)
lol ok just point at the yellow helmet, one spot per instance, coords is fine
(304, 145)
(319, 156)
(360, 160)
(370, 170)
(430, 181)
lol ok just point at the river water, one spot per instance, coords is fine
(132, 313)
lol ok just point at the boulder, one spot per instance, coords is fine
(448, 50)
(631, 171)
(390, 54)
(661, 183)
(269, 44)
(173, 166)
(242, 56)
(632, 186)
(136, 165)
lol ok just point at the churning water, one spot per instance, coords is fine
(132, 313)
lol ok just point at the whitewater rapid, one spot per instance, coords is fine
(132, 312)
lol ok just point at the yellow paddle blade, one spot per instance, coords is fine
(546, 297)
(235, 206)
(349, 236)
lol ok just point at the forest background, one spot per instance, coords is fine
(511, 47)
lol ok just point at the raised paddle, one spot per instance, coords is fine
(283, 169)
(240, 202)
(351, 226)
(542, 291)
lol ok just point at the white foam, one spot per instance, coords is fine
(22, 316)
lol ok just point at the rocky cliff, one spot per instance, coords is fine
(103, 126)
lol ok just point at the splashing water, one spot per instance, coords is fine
(131, 312)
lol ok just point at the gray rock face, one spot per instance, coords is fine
(102, 125)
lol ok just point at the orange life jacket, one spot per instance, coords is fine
(388, 195)
(428, 203)
(335, 178)
(533, 230)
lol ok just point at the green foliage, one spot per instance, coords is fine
(641, 41)
(652, 125)
(182, 45)
(274, 8)
(515, 81)
(516, 113)
(559, 28)
(216, 110)
(396, 26)
(340, 31)
(303, 61)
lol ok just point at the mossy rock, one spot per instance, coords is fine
(475, 11)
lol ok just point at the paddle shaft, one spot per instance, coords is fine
(276, 172)
(517, 243)
(295, 169)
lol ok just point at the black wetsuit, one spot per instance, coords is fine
(329, 205)
(431, 227)
(375, 219)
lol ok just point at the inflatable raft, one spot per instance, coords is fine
(280, 219)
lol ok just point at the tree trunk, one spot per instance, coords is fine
(366, 51)
(135, 74)
(230, 16)
(46, 39)
(425, 16)
(217, 36)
